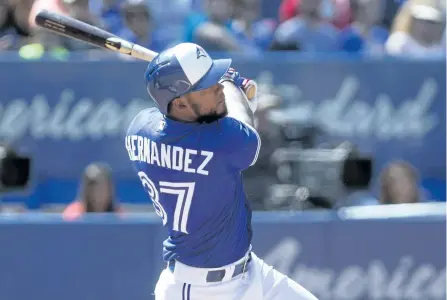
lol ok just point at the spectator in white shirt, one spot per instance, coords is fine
(423, 32)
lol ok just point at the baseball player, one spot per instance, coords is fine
(189, 154)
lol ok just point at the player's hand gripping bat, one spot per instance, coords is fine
(79, 30)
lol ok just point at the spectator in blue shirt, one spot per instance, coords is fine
(248, 26)
(109, 13)
(365, 35)
(212, 29)
(308, 31)
(139, 26)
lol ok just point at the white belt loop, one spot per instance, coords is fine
(228, 273)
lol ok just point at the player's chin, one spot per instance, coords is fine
(222, 110)
(212, 117)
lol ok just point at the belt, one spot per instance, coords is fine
(217, 275)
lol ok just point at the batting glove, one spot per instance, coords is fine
(236, 78)
(248, 86)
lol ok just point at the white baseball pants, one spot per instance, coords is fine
(259, 282)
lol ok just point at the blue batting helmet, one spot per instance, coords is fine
(180, 70)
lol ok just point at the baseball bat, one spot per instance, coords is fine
(93, 35)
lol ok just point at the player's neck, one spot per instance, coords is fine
(179, 117)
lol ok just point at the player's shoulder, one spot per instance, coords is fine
(232, 125)
(227, 130)
(146, 118)
(237, 141)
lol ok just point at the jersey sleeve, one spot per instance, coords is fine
(241, 143)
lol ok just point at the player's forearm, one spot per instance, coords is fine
(237, 104)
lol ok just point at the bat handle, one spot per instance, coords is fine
(143, 53)
(128, 48)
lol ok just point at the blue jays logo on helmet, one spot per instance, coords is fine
(180, 70)
(200, 52)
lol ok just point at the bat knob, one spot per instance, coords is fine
(251, 90)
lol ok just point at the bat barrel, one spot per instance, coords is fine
(82, 31)
(73, 28)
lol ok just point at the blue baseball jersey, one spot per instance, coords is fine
(192, 173)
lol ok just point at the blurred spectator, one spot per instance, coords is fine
(38, 5)
(14, 25)
(336, 11)
(79, 9)
(213, 28)
(365, 34)
(309, 32)
(249, 27)
(5, 40)
(44, 42)
(399, 184)
(21, 11)
(419, 31)
(170, 17)
(390, 11)
(342, 13)
(96, 194)
(139, 24)
(109, 11)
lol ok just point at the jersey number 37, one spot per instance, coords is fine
(183, 191)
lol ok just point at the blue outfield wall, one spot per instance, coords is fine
(376, 253)
(68, 114)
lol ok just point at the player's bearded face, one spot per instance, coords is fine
(208, 105)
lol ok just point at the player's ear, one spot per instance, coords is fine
(180, 103)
